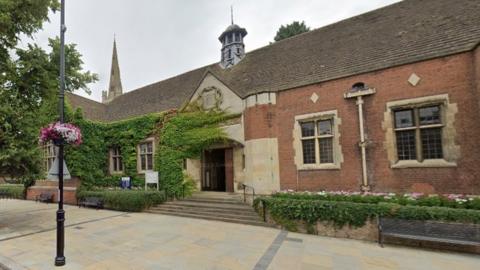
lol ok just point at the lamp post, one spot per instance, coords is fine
(60, 258)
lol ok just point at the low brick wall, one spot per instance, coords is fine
(44, 186)
(368, 232)
(69, 193)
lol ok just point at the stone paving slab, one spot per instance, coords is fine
(114, 240)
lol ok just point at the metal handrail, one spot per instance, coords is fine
(244, 192)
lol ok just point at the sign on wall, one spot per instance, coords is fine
(151, 177)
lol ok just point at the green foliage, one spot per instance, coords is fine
(189, 185)
(89, 161)
(427, 200)
(342, 213)
(127, 134)
(13, 191)
(21, 17)
(125, 200)
(290, 30)
(183, 136)
(28, 92)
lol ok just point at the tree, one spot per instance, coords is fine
(28, 85)
(290, 30)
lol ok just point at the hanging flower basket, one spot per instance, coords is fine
(61, 133)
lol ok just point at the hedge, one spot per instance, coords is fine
(356, 214)
(406, 199)
(13, 191)
(125, 200)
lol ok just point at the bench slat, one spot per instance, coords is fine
(433, 239)
(436, 231)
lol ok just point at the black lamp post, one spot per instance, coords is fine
(60, 258)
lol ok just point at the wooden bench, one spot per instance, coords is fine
(4, 194)
(46, 197)
(431, 231)
(91, 202)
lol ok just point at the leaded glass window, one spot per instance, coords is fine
(317, 141)
(146, 156)
(418, 133)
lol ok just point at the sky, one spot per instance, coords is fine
(158, 39)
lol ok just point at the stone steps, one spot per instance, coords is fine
(209, 211)
(217, 218)
(212, 206)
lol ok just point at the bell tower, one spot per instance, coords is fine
(115, 85)
(233, 48)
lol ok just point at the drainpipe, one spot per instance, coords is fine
(362, 144)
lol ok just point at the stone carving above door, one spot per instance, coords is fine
(210, 98)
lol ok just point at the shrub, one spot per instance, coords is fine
(419, 199)
(13, 191)
(125, 200)
(342, 213)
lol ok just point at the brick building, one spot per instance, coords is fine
(385, 101)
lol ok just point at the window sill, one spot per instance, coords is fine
(430, 163)
(307, 167)
(116, 173)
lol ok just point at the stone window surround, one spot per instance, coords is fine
(337, 148)
(139, 164)
(110, 163)
(451, 151)
(49, 153)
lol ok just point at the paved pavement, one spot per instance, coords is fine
(114, 240)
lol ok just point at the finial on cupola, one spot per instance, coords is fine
(233, 48)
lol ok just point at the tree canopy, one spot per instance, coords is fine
(29, 83)
(290, 30)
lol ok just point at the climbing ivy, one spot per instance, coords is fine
(183, 136)
(179, 135)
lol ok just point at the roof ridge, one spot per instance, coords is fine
(89, 99)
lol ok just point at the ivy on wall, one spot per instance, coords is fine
(179, 135)
(184, 136)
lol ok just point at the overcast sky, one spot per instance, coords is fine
(158, 39)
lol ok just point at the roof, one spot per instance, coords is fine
(402, 33)
(233, 28)
(91, 109)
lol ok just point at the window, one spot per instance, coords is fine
(237, 36)
(317, 141)
(146, 156)
(229, 38)
(49, 154)
(116, 160)
(418, 133)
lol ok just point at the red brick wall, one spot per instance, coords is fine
(229, 169)
(454, 75)
(260, 122)
(46, 186)
(69, 196)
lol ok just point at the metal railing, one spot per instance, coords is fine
(245, 192)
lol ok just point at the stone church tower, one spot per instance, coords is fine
(115, 86)
(233, 48)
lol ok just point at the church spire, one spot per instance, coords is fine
(115, 85)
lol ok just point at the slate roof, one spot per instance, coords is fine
(402, 33)
(91, 109)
